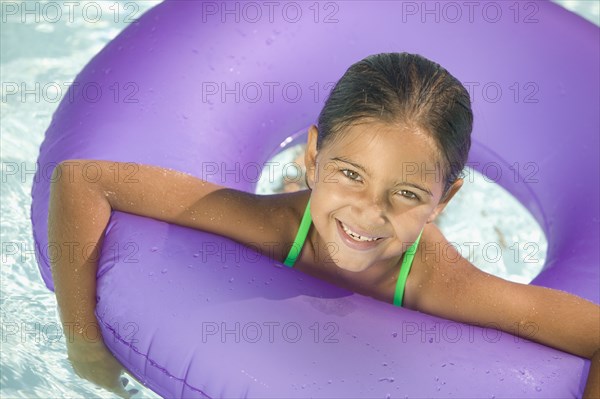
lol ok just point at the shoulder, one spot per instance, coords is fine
(281, 215)
(447, 285)
(437, 269)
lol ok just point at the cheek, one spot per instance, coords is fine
(321, 204)
(325, 175)
(328, 184)
(410, 220)
(325, 204)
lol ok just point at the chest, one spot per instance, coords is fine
(376, 282)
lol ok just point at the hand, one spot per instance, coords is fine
(95, 363)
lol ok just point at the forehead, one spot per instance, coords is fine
(385, 145)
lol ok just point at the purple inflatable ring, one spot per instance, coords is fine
(211, 87)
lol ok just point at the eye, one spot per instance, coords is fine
(350, 174)
(409, 194)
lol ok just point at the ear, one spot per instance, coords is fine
(452, 190)
(310, 156)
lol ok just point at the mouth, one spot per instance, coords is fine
(355, 240)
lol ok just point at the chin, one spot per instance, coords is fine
(352, 266)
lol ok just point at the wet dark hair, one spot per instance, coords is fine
(408, 89)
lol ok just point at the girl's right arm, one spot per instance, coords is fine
(78, 213)
(83, 194)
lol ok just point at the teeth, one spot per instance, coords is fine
(356, 236)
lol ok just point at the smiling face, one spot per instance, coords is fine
(374, 187)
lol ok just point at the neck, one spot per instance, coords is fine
(316, 260)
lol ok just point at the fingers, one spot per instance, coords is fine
(119, 388)
(122, 392)
(125, 381)
(130, 376)
(103, 369)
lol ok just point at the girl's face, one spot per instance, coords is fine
(374, 187)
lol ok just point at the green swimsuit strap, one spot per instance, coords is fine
(300, 237)
(404, 269)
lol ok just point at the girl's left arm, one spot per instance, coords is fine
(457, 290)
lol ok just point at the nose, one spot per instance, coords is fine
(371, 210)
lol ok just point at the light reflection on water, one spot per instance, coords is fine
(33, 360)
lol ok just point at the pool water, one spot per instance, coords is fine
(50, 52)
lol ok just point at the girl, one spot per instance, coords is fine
(382, 164)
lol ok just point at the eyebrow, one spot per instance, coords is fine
(407, 183)
(342, 159)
